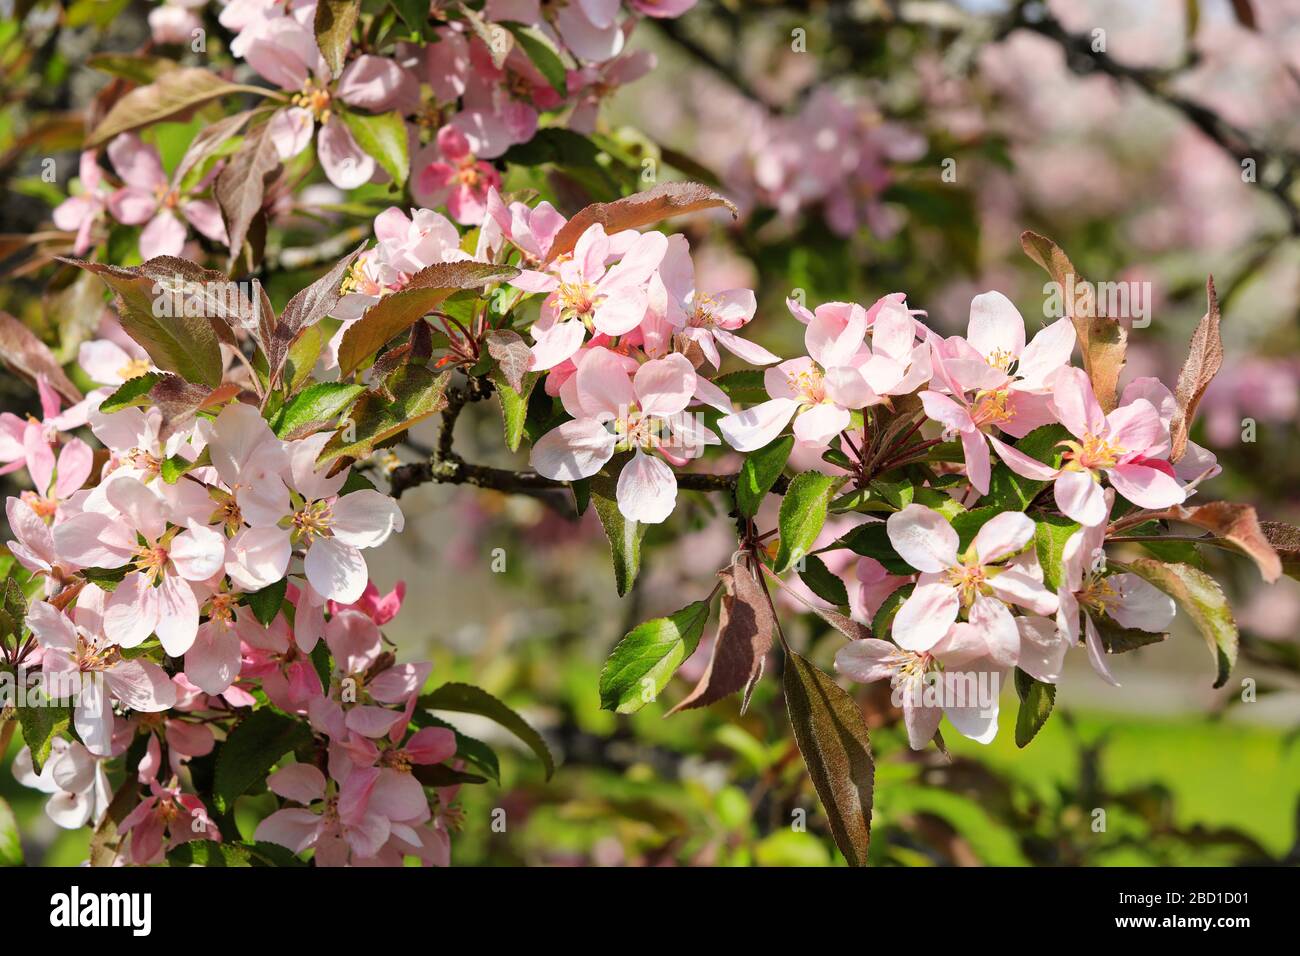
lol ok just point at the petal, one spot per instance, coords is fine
(300, 782)
(198, 553)
(1042, 648)
(142, 685)
(212, 662)
(1076, 405)
(131, 613)
(758, 426)
(923, 538)
(820, 424)
(1080, 497)
(647, 489)
(293, 828)
(665, 386)
(336, 571)
(995, 326)
(1003, 535)
(178, 615)
(1139, 604)
(1145, 486)
(258, 557)
(926, 616)
(366, 518)
(346, 165)
(574, 450)
(868, 660)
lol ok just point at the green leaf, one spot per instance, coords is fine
(1117, 639)
(134, 391)
(836, 747)
(1050, 535)
(543, 55)
(40, 726)
(514, 405)
(883, 622)
(335, 20)
(414, 13)
(382, 136)
(183, 344)
(1201, 597)
(1012, 492)
(743, 386)
(418, 393)
(251, 750)
(394, 314)
(11, 848)
(1036, 700)
(208, 853)
(468, 699)
(822, 582)
(871, 540)
(315, 407)
(624, 535)
(648, 656)
(172, 469)
(106, 578)
(803, 513)
(759, 473)
(267, 602)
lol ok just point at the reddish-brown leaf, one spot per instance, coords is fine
(28, 356)
(394, 314)
(641, 209)
(1236, 524)
(746, 628)
(241, 186)
(1285, 540)
(171, 96)
(1204, 359)
(1103, 340)
(512, 354)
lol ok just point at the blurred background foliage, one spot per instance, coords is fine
(1111, 153)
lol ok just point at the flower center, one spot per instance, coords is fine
(315, 99)
(1092, 453)
(134, 368)
(313, 521)
(577, 300)
(44, 507)
(704, 316)
(992, 408)
(970, 580)
(151, 562)
(810, 384)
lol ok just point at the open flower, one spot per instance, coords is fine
(335, 528)
(77, 650)
(1089, 593)
(163, 820)
(978, 583)
(957, 676)
(450, 174)
(150, 198)
(317, 825)
(585, 295)
(80, 213)
(614, 413)
(157, 596)
(708, 319)
(1128, 446)
(73, 777)
(817, 391)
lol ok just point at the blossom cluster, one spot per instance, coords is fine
(465, 93)
(149, 589)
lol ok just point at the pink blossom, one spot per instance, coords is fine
(449, 173)
(74, 778)
(916, 676)
(585, 295)
(163, 820)
(76, 647)
(1128, 446)
(157, 596)
(150, 198)
(645, 414)
(708, 319)
(979, 583)
(80, 213)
